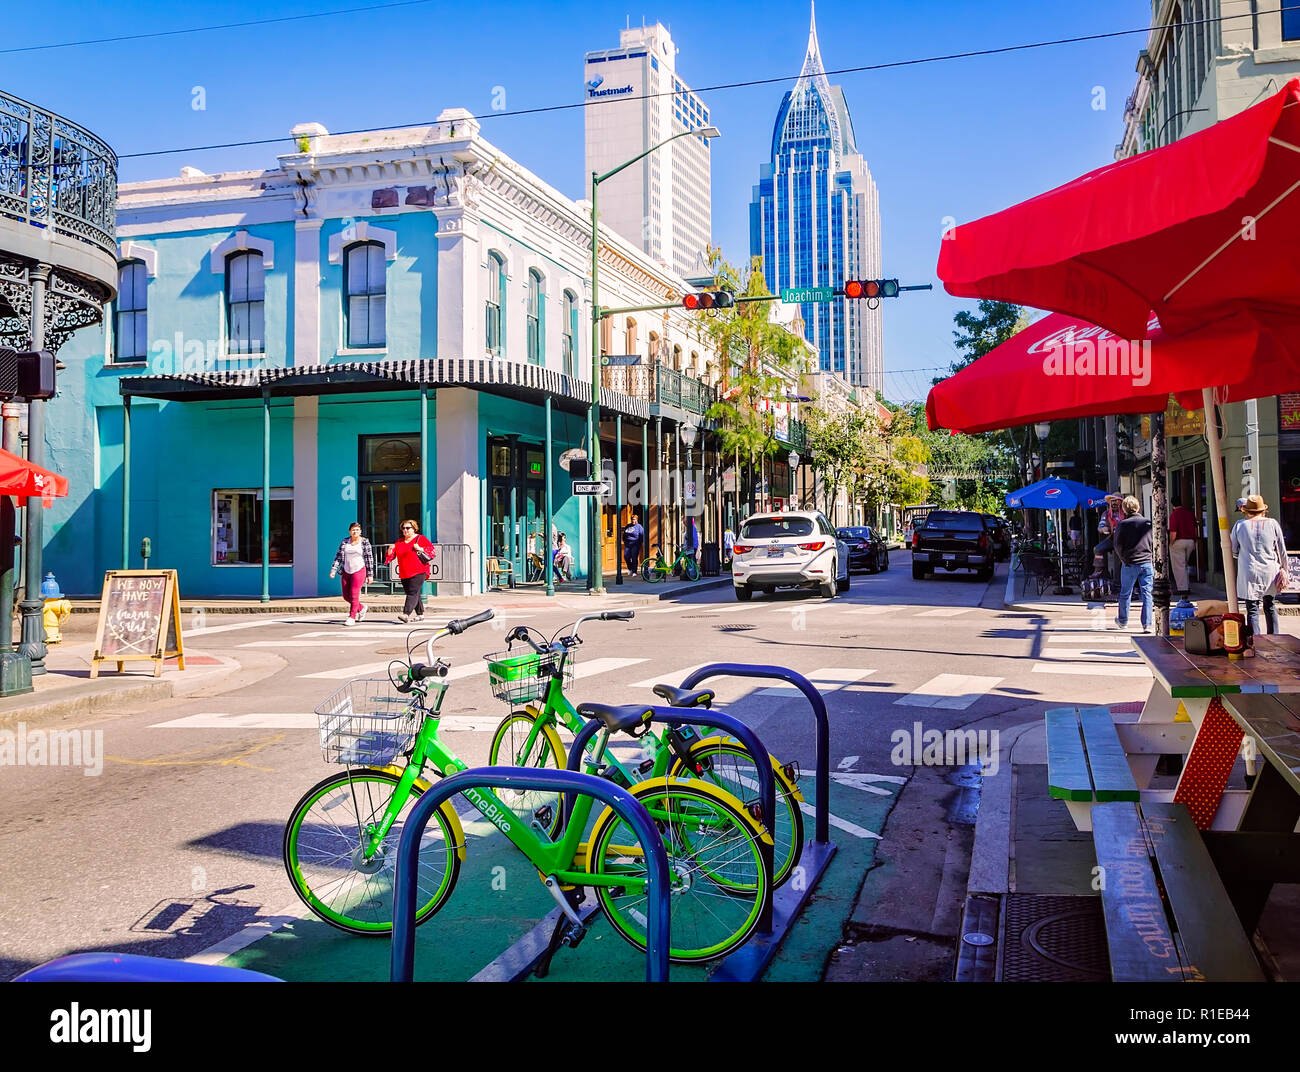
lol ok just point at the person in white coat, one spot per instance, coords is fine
(1260, 550)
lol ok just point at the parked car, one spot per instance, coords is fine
(797, 548)
(952, 540)
(867, 548)
(1000, 532)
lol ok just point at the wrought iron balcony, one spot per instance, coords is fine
(55, 174)
(659, 383)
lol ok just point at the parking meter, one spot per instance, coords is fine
(146, 549)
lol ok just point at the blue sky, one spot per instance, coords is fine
(957, 138)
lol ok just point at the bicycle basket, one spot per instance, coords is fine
(519, 677)
(368, 723)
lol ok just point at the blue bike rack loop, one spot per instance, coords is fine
(626, 805)
(823, 792)
(699, 716)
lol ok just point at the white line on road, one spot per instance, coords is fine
(879, 608)
(951, 692)
(1074, 638)
(841, 824)
(1085, 653)
(700, 608)
(338, 640)
(945, 612)
(1091, 669)
(250, 720)
(373, 669)
(669, 676)
(828, 679)
(602, 666)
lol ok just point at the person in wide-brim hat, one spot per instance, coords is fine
(1254, 504)
(1259, 547)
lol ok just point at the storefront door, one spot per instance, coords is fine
(389, 472)
(516, 521)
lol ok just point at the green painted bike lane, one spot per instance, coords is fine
(499, 898)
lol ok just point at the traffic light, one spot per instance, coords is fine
(871, 288)
(28, 375)
(709, 299)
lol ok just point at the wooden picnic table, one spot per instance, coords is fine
(1185, 712)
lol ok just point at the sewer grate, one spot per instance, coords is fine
(1053, 940)
(734, 628)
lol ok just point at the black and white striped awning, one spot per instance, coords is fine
(513, 379)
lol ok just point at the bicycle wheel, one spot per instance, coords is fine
(691, 568)
(726, 764)
(717, 877)
(648, 572)
(510, 748)
(323, 844)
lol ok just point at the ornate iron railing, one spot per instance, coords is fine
(56, 174)
(659, 383)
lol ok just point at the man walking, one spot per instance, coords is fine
(1182, 542)
(1132, 541)
(633, 540)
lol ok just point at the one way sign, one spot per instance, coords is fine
(591, 487)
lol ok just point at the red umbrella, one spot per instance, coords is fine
(1060, 367)
(1194, 231)
(25, 480)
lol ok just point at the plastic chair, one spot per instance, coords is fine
(499, 567)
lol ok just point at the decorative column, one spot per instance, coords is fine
(32, 606)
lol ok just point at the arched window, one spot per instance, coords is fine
(495, 333)
(654, 348)
(677, 358)
(536, 319)
(245, 303)
(629, 337)
(569, 333)
(695, 362)
(130, 312)
(364, 284)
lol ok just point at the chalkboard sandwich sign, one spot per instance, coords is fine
(139, 618)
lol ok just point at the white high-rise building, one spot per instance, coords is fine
(661, 203)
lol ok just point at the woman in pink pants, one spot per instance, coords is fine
(355, 560)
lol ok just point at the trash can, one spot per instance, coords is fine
(710, 562)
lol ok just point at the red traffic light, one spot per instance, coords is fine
(709, 299)
(871, 288)
(853, 289)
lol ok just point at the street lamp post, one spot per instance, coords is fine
(595, 577)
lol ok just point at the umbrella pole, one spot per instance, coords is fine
(1220, 497)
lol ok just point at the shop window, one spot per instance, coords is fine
(237, 527)
(390, 454)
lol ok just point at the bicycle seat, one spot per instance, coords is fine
(616, 717)
(685, 697)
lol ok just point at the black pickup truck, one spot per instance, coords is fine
(952, 540)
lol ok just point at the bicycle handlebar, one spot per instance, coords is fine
(459, 626)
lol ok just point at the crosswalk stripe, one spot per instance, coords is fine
(1074, 638)
(1096, 653)
(672, 677)
(878, 608)
(952, 692)
(373, 669)
(828, 679)
(336, 640)
(945, 612)
(1091, 669)
(266, 720)
(602, 666)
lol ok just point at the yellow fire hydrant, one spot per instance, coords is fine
(57, 609)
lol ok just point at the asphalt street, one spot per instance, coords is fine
(176, 846)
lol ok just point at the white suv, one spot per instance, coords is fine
(797, 548)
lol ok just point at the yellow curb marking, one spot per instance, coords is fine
(174, 760)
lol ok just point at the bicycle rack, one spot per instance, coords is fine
(748, 962)
(657, 931)
(699, 716)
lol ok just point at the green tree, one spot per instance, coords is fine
(890, 475)
(759, 359)
(841, 442)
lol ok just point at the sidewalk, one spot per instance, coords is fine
(574, 595)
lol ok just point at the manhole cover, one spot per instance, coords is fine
(976, 938)
(1054, 939)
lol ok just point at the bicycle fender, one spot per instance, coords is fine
(777, 771)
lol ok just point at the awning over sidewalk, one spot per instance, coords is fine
(512, 379)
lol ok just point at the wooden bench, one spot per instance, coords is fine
(1086, 764)
(1168, 916)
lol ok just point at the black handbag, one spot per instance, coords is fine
(423, 555)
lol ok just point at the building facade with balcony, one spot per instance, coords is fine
(378, 327)
(1206, 60)
(58, 266)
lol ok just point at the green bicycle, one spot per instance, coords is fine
(528, 737)
(340, 843)
(660, 569)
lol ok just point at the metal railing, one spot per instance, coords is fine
(56, 174)
(659, 383)
(453, 563)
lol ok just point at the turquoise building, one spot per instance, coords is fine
(381, 327)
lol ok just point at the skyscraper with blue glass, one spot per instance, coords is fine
(815, 221)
